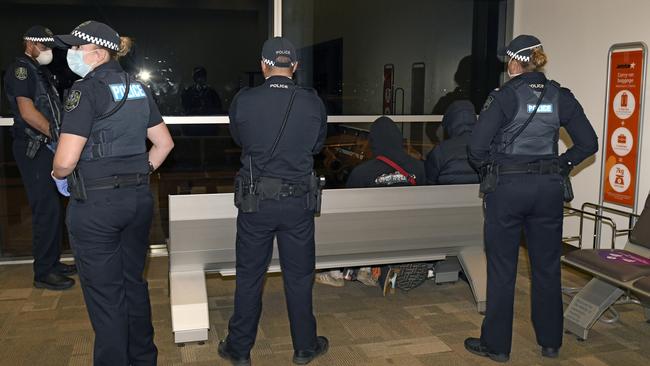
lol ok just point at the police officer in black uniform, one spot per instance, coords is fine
(280, 126)
(515, 146)
(102, 152)
(36, 107)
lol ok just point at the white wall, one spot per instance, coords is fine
(577, 35)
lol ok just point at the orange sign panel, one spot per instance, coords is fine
(623, 117)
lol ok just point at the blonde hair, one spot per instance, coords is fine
(126, 43)
(125, 46)
(538, 60)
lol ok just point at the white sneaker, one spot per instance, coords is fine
(324, 278)
(336, 274)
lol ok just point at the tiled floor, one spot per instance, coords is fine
(425, 326)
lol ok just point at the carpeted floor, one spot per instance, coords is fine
(425, 326)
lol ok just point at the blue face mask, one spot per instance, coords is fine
(76, 62)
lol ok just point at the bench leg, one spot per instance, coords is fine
(475, 268)
(647, 313)
(588, 305)
(189, 306)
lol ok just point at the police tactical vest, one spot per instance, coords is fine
(123, 133)
(46, 98)
(541, 135)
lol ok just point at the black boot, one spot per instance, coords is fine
(225, 353)
(474, 346)
(303, 357)
(54, 281)
(550, 352)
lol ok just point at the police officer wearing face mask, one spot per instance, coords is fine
(103, 153)
(280, 126)
(36, 107)
(515, 147)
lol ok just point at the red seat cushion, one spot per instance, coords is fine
(621, 265)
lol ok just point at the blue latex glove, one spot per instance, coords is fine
(61, 185)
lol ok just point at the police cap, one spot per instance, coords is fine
(279, 52)
(521, 47)
(90, 32)
(40, 34)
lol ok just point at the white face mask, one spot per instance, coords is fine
(45, 57)
(76, 62)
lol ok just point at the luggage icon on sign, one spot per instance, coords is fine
(624, 100)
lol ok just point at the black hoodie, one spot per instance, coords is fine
(448, 163)
(386, 139)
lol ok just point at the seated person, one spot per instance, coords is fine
(447, 163)
(391, 166)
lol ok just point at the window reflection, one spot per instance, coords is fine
(172, 40)
(381, 56)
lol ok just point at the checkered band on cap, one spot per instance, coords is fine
(271, 62)
(39, 39)
(518, 57)
(96, 40)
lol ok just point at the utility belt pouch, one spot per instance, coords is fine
(246, 199)
(77, 186)
(268, 188)
(489, 179)
(315, 196)
(567, 188)
(34, 142)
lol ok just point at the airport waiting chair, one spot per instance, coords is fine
(616, 272)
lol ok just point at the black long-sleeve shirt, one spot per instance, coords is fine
(501, 107)
(256, 116)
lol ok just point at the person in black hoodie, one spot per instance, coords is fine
(391, 166)
(448, 163)
(386, 141)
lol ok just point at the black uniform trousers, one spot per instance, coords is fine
(293, 224)
(109, 233)
(534, 203)
(45, 203)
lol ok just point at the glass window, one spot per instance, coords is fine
(369, 57)
(193, 55)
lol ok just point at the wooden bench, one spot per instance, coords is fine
(357, 227)
(613, 277)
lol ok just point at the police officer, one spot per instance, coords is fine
(279, 126)
(102, 150)
(36, 107)
(515, 145)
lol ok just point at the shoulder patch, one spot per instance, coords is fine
(20, 72)
(73, 100)
(488, 102)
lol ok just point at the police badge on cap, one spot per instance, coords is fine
(90, 32)
(279, 52)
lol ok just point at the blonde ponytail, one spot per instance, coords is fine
(538, 58)
(125, 46)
